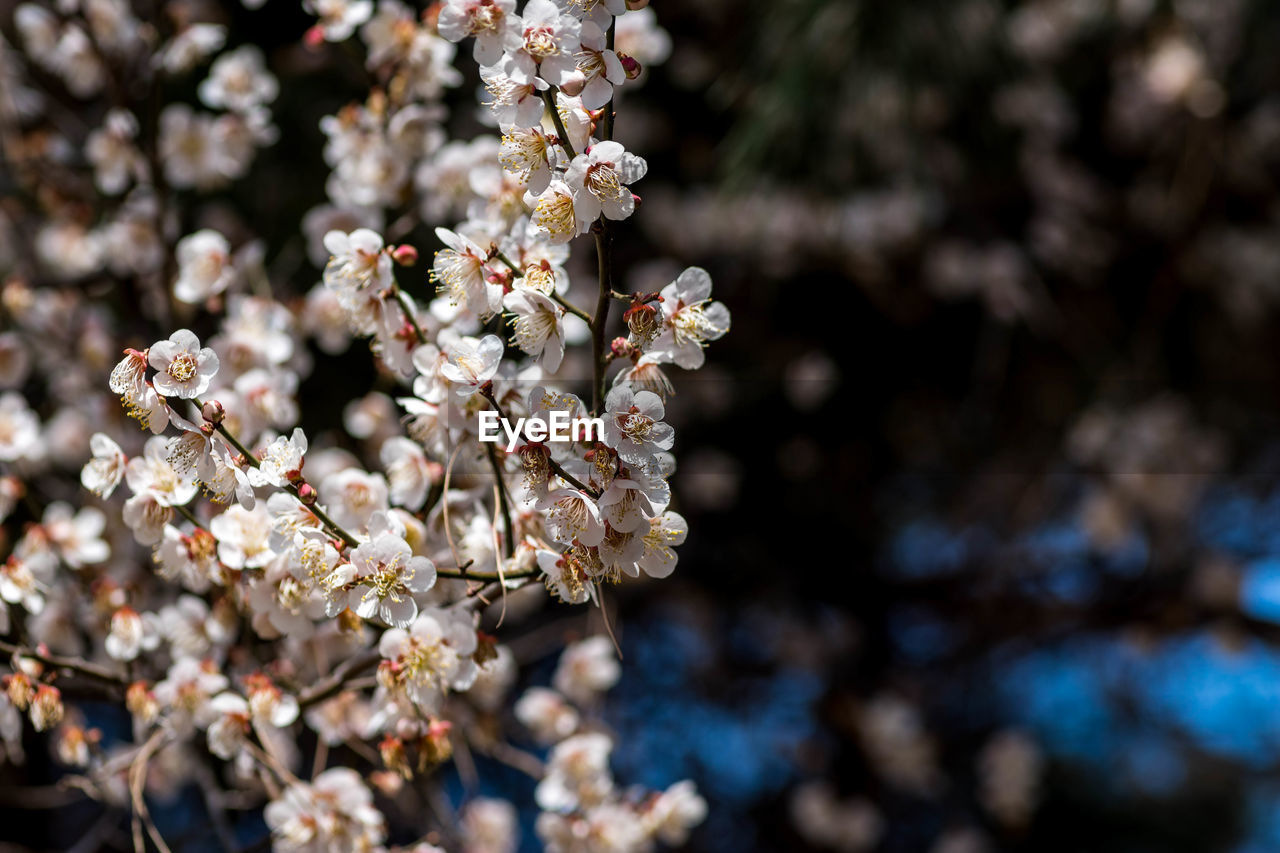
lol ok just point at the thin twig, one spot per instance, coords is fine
(77, 665)
(549, 98)
(137, 782)
(334, 683)
(604, 258)
(509, 547)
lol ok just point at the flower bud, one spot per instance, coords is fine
(20, 690)
(71, 744)
(307, 494)
(630, 66)
(213, 412)
(141, 702)
(46, 708)
(393, 756)
(405, 255)
(486, 648)
(313, 37)
(388, 674)
(387, 782)
(620, 347)
(435, 748)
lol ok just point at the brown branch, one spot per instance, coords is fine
(604, 258)
(76, 665)
(334, 683)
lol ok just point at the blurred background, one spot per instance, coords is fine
(983, 484)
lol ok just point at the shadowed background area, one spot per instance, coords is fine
(983, 486)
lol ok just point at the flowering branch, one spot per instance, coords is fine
(599, 355)
(292, 488)
(76, 665)
(549, 98)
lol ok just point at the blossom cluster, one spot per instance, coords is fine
(267, 588)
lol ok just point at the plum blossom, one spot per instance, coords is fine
(543, 44)
(600, 179)
(492, 22)
(461, 273)
(691, 320)
(539, 325)
(239, 81)
(633, 424)
(183, 368)
(472, 364)
(431, 657)
(204, 266)
(599, 65)
(19, 428)
(357, 261)
(386, 576)
(333, 813)
(116, 159)
(339, 18)
(587, 668)
(515, 102)
(282, 457)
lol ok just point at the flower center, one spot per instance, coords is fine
(540, 42)
(602, 181)
(182, 368)
(487, 17)
(554, 212)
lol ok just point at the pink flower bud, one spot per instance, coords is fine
(405, 255)
(307, 494)
(213, 412)
(630, 65)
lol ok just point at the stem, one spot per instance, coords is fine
(510, 545)
(604, 256)
(549, 98)
(572, 309)
(76, 665)
(291, 488)
(328, 522)
(551, 462)
(408, 312)
(468, 575)
(333, 684)
(502, 256)
(569, 478)
(188, 515)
